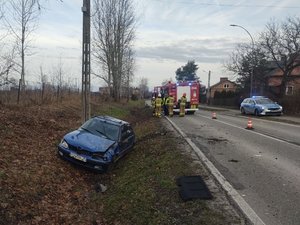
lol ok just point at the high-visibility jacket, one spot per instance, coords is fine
(158, 101)
(183, 100)
(165, 101)
(170, 101)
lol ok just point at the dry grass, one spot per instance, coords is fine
(37, 187)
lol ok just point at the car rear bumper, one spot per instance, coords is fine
(90, 164)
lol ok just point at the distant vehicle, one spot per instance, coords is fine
(259, 105)
(190, 88)
(98, 143)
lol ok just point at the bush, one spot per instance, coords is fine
(290, 104)
(134, 97)
(226, 98)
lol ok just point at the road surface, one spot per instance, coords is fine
(262, 164)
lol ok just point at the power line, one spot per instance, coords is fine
(232, 5)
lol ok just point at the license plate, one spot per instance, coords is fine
(78, 157)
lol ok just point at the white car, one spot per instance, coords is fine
(260, 106)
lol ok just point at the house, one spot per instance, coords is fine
(223, 85)
(274, 79)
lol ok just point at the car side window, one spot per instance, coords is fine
(126, 132)
(129, 131)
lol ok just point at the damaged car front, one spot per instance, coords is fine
(95, 145)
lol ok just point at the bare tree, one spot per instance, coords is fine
(114, 26)
(241, 62)
(58, 73)
(7, 65)
(281, 41)
(143, 86)
(129, 64)
(21, 19)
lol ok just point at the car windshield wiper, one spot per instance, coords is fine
(100, 132)
(86, 129)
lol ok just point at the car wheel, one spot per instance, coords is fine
(256, 112)
(243, 111)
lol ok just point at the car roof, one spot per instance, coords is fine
(256, 97)
(111, 120)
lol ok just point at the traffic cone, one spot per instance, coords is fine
(249, 125)
(214, 115)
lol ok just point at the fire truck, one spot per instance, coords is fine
(190, 88)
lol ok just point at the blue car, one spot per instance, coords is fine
(98, 143)
(259, 105)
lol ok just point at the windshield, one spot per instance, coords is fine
(101, 129)
(264, 101)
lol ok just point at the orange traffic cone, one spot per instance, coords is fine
(214, 115)
(249, 125)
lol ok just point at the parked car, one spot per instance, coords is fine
(259, 105)
(98, 143)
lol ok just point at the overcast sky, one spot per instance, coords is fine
(169, 33)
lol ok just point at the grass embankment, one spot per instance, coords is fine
(37, 187)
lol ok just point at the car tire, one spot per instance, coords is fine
(243, 111)
(256, 112)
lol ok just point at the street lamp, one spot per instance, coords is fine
(252, 70)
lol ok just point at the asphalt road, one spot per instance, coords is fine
(262, 164)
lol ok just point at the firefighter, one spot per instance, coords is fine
(158, 103)
(165, 105)
(153, 105)
(170, 104)
(182, 105)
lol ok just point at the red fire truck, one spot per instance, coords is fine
(190, 88)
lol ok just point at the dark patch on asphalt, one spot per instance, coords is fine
(233, 160)
(233, 180)
(213, 141)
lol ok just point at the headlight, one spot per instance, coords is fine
(100, 155)
(64, 144)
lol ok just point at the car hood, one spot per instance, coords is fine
(88, 141)
(271, 105)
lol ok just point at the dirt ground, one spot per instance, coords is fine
(37, 187)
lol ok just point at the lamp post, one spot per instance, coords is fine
(252, 70)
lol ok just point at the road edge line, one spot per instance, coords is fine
(244, 207)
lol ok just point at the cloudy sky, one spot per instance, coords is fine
(169, 33)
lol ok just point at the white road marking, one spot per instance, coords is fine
(253, 132)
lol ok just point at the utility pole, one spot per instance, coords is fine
(208, 88)
(86, 63)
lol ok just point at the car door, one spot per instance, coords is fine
(246, 105)
(251, 106)
(127, 138)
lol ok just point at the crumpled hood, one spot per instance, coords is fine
(88, 141)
